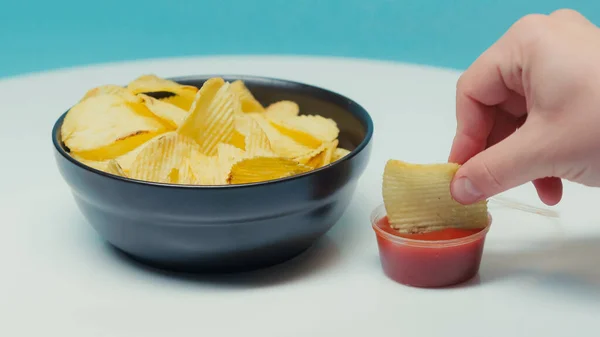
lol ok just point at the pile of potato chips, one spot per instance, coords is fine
(417, 199)
(160, 131)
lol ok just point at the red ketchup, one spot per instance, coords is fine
(435, 259)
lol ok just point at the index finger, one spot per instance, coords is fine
(489, 82)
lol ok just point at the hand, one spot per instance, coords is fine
(528, 109)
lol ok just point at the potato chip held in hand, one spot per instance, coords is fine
(417, 199)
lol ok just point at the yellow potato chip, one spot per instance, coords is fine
(282, 110)
(326, 157)
(159, 130)
(111, 89)
(417, 199)
(119, 148)
(105, 127)
(320, 156)
(165, 90)
(259, 169)
(164, 158)
(339, 153)
(182, 100)
(126, 160)
(307, 157)
(207, 169)
(173, 114)
(212, 119)
(247, 100)
(141, 109)
(113, 167)
(227, 156)
(299, 136)
(242, 123)
(238, 140)
(153, 83)
(256, 141)
(282, 145)
(184, 174)
(320, 128)
(98, 165)
(228, 153)
(187, 174)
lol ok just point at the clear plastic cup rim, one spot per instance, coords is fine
(380, 212)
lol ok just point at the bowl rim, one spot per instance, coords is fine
(256, 79)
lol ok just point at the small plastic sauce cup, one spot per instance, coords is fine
(430, 260)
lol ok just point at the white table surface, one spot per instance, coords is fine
(539, 277)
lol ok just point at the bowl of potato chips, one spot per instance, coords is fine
(212, 173)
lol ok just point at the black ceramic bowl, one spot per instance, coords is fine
(226, 228)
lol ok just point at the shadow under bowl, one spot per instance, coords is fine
(226, 228)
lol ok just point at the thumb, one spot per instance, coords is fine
(511, 162)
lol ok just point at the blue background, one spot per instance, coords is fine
(48, 34)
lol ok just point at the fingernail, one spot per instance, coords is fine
(465, 192)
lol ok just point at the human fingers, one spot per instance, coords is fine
(511, 162)
(494, 79)
(549, 189)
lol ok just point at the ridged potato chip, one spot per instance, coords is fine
(227, 156)
(207, 169)
(238, 140)
(256, 141)
(118, 148)
(105, 127)
(164, 158)
(307, 157)
(212, 119)
(327, 155)
(184, 174)
(160, 131)
(125, 161)
(282, 110)
(320, 156)
(150, 83)
(98, 165)
(247, 100)
(299, 136)
(320, 128)
(242, 123)
(339, 153)
(113, 167)
(182, 100)
(229, 153)
(114, 90)
(170, 113)
(282, 145)
(259, 169)
(165, 90)
(417, 199)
